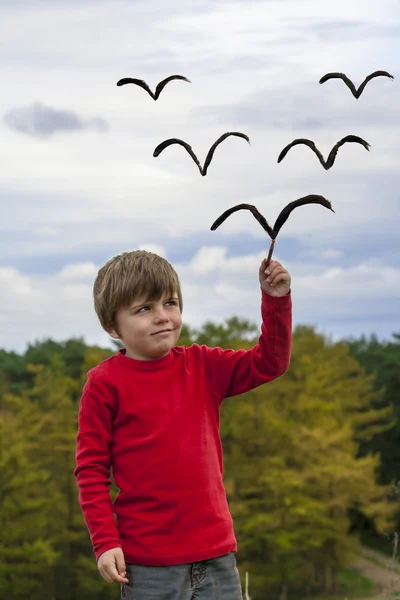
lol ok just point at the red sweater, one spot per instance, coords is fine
(156, 423)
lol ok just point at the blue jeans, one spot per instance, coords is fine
(213, 579)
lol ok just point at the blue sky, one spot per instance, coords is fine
(79, 184)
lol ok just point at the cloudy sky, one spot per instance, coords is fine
(79, 183)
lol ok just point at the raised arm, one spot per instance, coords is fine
(233, 372)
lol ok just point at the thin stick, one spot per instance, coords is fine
(271, 249)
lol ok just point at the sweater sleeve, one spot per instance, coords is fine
(234, 372)
(93, 464)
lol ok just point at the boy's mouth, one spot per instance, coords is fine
(162, 331)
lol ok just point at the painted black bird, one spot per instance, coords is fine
(356, 92)
(282, 217)
(159, 88)
(332, 154)
(203, 170)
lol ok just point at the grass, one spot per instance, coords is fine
(354, 584)
(350, 584)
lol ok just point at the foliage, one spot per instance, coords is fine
(301, 459)
(382, 360)
(292, 467)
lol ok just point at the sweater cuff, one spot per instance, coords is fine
(276, 301)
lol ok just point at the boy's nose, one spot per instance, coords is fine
(162, 317)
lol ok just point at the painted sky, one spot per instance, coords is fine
(79, 184)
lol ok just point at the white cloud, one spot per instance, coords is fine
(155, 248)
(46, 231)
(78, 271)
(208, 259)
(366, 281)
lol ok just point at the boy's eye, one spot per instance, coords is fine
(145, 308)
(142, 309)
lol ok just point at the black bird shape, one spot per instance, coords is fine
(159, 88)
(203, 170)
(332, 154)
(356, 92)
(282, 217)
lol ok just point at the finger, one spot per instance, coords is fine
(111, 575)
(281, 278)
(272, 264)
(121, 568)
(122, 573)
(276, 271)
(115, 576)
(106, 576)
(272, 268)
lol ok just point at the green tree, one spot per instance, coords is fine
(56, 392)
(187, 336)
(227, 335)
(45, 551)
(12, 371)
(292, 467)
(71, 353)
(26, 553)
(299, 462)
(382, 360)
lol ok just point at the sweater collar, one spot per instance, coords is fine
(143, 365)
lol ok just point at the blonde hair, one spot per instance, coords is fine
(130, 275)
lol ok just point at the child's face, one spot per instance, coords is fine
(149, 330)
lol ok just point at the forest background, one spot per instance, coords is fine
(311, 466)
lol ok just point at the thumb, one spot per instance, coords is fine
(120, 561)
(121, 567)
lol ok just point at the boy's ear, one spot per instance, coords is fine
(114, 334)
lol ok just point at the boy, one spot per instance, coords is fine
(152, 413)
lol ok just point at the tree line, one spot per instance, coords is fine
(311, 464)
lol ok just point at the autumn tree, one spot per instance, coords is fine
(292, 467)
(300, 460)
(26, 552)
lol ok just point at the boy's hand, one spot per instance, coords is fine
(111, 565)
(275, 280)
